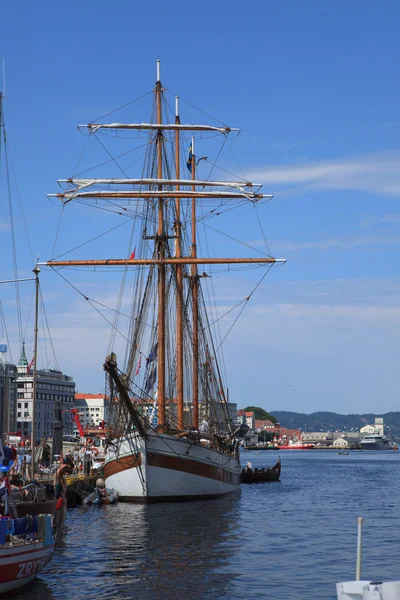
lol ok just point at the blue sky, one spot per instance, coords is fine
(314, 88)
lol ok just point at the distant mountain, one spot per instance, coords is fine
(329, 421)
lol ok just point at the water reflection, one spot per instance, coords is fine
(147, 552)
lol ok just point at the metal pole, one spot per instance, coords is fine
(36, 271)
(359, 548)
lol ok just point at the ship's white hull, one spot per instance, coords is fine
(167, 468)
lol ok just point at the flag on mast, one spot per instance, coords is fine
(132, 256)
(138, 367)
(30, 365)
(190, 158)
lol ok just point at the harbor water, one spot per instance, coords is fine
(289, 540)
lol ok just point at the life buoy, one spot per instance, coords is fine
(95, 451)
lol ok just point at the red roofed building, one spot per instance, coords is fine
(246, 418)
(93, 409)
(261, 424)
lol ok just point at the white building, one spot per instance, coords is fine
(368, 429)
(93, 409)
(341, 442)
(51, 385)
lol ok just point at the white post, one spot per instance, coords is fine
(193, 146)
(158, 70)
(359, 548)
(177, 106)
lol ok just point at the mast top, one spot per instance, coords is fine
(158, 71)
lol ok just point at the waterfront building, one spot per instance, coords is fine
(368, 429)
(264, 424)
(341, 442)
(93, 409)
(379, 426)
(246, 418)
(51, 385)
(322, 438)
(8, 395)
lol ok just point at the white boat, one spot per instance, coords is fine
(374, 441)
(368, 590)
(170, 432)
(165, 467)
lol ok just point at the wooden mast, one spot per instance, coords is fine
(160, 244)
(195, 304)
(179, 280)
(36, 271)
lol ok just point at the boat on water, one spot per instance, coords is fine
(170, 434)
(256, 475)
(374, 441)
(26, 547)
(295, 446)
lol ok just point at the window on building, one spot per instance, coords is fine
(18, 414)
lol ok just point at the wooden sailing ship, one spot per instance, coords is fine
(170, 433)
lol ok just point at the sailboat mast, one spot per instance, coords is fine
(36, 271)
(179, 280)
(195, 303)
(160, 244)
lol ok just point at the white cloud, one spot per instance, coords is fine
(374, 173)
(287, 245)
(372, 220)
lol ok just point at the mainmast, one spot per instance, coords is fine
(160, 246)
(195, 301)
(179, 279)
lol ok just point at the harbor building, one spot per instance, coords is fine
(93, 409)
(246, 418)
(51, 385)
(8, 394)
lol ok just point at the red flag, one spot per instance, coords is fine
(138, 367)
(132, 256)
(30, 364)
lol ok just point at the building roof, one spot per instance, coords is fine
(89, 396)
(264, 423)
(242, 413)
(23, 361)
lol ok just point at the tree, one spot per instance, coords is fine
(260, 414)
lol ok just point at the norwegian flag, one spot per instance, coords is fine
(132, 256)
(30, 365)
(138, 367)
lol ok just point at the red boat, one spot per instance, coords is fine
(26, 547)
(296, 446)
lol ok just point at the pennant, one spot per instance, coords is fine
(150, 381)
(30, 365)
(138, 366)
(190, 158)
(132, 256)
(153, 355)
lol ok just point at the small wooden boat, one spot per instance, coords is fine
(250, 475)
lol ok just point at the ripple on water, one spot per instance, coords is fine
(291, 540)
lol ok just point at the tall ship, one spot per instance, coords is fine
(374, 441)
(170, 433)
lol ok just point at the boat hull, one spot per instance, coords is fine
(164, 468)
(20, 565)
(375, 445)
